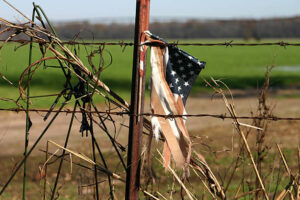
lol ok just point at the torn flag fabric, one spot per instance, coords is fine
(173, 74)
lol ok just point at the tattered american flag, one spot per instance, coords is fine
(173, 74)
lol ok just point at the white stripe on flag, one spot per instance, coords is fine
(158, 85)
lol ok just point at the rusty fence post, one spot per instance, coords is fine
(137, 101)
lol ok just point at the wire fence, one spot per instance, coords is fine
(170, 116)
(177, 43)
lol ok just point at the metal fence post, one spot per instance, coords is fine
(137, 101)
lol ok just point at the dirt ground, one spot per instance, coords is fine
(12, 125)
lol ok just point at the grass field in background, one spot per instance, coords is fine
(238, 67)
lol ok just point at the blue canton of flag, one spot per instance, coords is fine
(181, 71)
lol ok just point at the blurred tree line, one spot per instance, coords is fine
(246, 29)
(240, 28)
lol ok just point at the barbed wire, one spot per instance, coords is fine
(124, 44)
(220, 116)
(177, 43)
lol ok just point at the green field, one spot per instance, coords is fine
(238, 67)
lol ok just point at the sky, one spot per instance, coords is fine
(65, 10)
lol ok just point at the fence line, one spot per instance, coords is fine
(177, 43)
(220, 116)
(124, 44)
